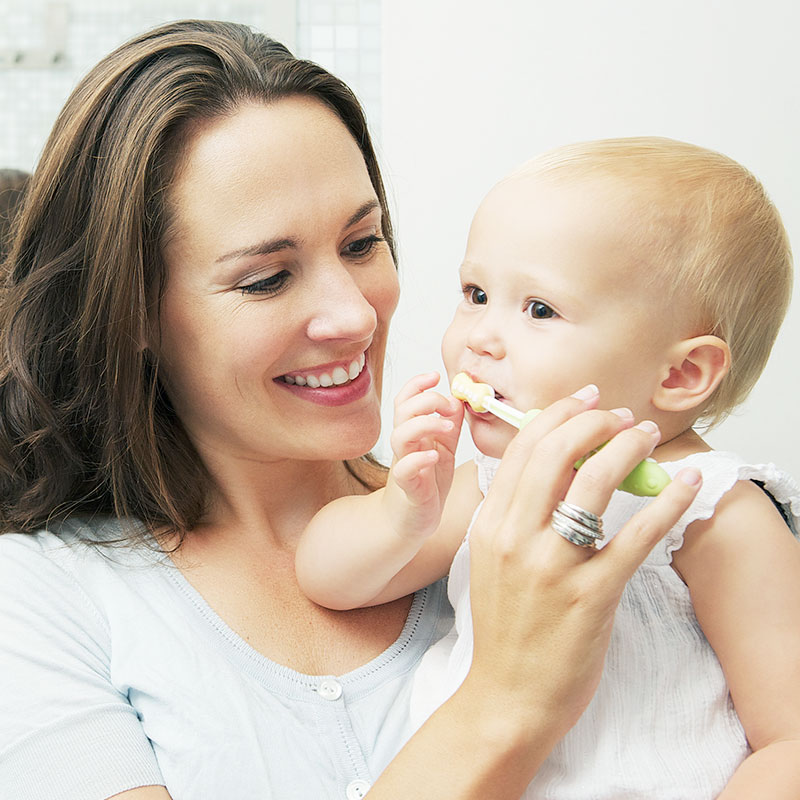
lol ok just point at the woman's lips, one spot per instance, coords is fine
(334, 394)
(335, 376)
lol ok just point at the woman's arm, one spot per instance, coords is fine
(743, 571)
(542, 608)
(143, 793)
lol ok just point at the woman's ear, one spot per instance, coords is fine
(696, 367)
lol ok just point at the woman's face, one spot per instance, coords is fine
(279, 288)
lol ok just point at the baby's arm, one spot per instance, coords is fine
(369, 549)
(743, 571)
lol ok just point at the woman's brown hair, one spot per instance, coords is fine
(85, 427)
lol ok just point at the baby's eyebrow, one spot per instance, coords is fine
(468, 266)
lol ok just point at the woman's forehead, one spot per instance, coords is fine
(268, 166)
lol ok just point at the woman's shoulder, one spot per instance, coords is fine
(72, 553)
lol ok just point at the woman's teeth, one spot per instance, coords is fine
(337, 377)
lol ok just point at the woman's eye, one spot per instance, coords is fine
(475, 295)
(363, 247)
(539, 310)
(267, 286)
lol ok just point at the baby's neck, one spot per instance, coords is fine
(680, 446)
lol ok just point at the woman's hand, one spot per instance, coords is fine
(543, 608)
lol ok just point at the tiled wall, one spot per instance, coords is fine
(46, 46)
(345, 37)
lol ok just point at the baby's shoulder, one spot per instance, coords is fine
(731, 482)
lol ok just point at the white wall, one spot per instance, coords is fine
(472, 88)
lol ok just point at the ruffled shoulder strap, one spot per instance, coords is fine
(721, 471)
(487, 467)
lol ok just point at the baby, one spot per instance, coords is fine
(657, 273)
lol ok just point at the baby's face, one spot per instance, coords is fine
(556, 297)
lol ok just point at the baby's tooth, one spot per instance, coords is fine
(300, 380)
(288, 378)
(362, 360)
(340, 376)
(353, 371)
(313, 382)
(325, 379)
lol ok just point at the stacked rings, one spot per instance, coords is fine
(577, 525)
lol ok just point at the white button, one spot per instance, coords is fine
(330, 690)
(357, 789)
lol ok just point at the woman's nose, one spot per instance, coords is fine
(341, 310)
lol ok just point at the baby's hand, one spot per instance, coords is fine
(424, 439)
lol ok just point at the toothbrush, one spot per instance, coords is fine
(646, 479)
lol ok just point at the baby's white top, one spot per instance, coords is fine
(662, 725)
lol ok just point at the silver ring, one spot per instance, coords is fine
(577, 525)
(580, 515)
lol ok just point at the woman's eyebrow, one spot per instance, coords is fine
(286, 243)
(261, 249)
(362, 212)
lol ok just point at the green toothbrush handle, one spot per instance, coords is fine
(646, 479)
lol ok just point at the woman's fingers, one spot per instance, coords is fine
(521, 448)
(527, 488)
(600, 474)
(628, 549)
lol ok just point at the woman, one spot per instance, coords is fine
(192, 349)
(12, 190)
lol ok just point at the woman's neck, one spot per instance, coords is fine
(270, 503)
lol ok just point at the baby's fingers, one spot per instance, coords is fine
(422, 433)
(426, 402)
(411, 474)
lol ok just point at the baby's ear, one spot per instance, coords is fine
(696, 367)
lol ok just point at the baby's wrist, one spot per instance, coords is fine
(406, 519)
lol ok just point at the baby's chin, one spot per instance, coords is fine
(492, 442)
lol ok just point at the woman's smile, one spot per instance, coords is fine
(331, 385)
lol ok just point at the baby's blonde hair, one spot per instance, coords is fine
(710, 234)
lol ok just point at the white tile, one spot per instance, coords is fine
(346, 37)
(369, 12)
(370, 38)
(348, 61)
(321, 12)
(346, 13)
(322, 38)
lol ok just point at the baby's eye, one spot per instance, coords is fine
(539, 310)
(475, 295)
(267, 286)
